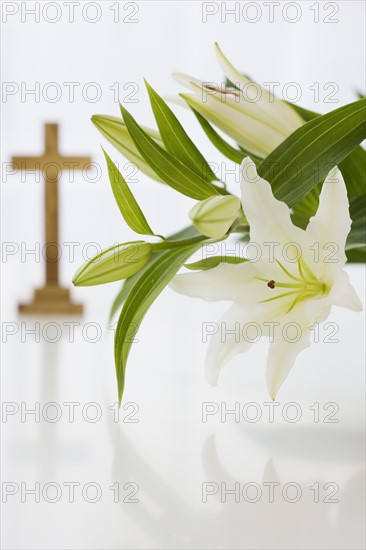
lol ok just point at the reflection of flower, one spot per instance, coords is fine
(274, 292)
(253, 117)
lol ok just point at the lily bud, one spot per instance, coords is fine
(253, 117)
(215, 215)
(118, 262)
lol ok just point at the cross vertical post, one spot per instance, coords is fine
(52, 175)
(52, 298)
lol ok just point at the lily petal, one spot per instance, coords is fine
(271, 108)
(332, 222)
(232, 338)
(281, 358)
(231, 118)
(188, 81)
(271, 227)
(234, 282)
(225, 344)
(317, 311)
(343, 294)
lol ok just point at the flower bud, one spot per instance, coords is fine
(249, 114)
(215, 215)
(118, 262)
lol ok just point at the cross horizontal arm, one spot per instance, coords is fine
(40, 163)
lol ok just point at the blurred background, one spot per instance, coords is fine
(155, 475)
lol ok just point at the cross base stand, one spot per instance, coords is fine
(51, 299)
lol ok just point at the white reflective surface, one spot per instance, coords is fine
(202, 478)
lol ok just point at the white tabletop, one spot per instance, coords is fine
(174, 456)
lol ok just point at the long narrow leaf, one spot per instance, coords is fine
(357, 235)
(307, 155)
(140, 298)
(115, 131)
(125, 200)
(171, 170)
(225, 148)
(176, 139)
(352, 167)
(148, 284)
(121, 296)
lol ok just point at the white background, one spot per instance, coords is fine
(170, 452)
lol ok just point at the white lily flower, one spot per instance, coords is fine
(290, 281)
(253, 117)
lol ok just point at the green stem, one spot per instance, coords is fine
(167, 244)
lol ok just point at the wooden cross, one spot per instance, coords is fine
(52, 298)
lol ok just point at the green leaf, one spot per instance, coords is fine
(236, 155)
(307, 207)
(230, 152)
(115, 131)
(305, 114)
(307, 155)
(352, 167)
(356, 256)
(171, 170)
(214, 261)
(257, 160)
(175, 138)
(153, 279)
(354, 173)
(357, 235)
(122, 295)
(125, 200)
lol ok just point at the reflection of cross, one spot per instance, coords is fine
(52, 298)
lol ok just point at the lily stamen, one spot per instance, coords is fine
(306, 287)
